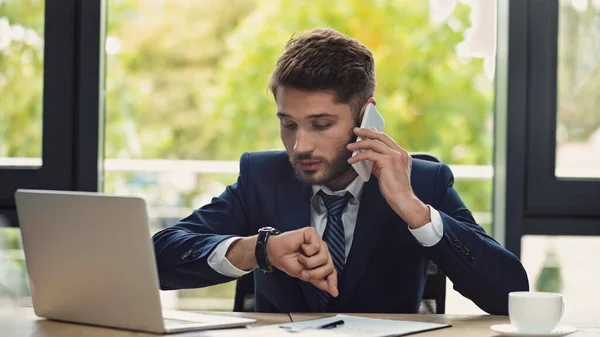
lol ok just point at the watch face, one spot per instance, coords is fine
(267, 229)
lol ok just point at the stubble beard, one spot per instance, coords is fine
(332, 170)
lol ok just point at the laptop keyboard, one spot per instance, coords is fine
(170, 322)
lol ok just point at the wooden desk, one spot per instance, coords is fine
(23, 322)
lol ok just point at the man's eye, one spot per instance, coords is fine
(322, 126)
(289, 125)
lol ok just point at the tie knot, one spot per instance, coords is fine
(335, 204)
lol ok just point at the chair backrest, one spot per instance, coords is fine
(244, 294)
(434, 295)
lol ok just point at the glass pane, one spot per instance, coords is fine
(565, 264)
(21, 80)
(578, 122)
(186, 94)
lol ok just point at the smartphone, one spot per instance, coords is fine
(371, 119)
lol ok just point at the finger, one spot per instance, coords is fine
(370, 144)
(369, 155)
(380, 136)
(321, 284)
(314, 261)
(318, 273)
(310, 249)
(312, 242)
(332, 284)
(328, 284)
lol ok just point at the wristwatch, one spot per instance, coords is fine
(261, 248)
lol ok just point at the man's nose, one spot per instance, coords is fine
(303, 143)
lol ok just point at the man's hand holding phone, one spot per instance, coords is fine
(392, 166)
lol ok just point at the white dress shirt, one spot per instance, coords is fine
(427, 235)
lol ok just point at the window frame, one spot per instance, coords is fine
(73, 111)
(548, 195)
(528, 198)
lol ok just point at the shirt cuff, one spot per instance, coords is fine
(218, 261)
(431, 233)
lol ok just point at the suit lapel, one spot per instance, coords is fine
(368, 235)
(293, 206)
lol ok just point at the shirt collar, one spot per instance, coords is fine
(355, 188)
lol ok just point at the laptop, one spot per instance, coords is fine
(90, 260)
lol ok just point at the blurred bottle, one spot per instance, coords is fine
(9, 271)
(550, 278)
(5, 291)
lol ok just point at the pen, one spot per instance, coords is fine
(331, 325)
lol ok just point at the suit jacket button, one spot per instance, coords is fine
(457, 244)
(195, 254)
(186, 255)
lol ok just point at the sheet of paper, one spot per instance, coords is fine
(365, 327)
(270, 331)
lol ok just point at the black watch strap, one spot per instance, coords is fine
(260, 251)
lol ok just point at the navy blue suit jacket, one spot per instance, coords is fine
(386, 269)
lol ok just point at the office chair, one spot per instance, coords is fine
(244, 294)
(434, 295)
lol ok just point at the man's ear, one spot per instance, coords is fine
(364, 107)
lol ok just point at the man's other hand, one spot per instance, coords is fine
(303, 254)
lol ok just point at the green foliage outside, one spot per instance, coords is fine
(188, 79)
(21, 69)
(192, 82)
(431, 102)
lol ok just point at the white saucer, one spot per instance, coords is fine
(510, 330)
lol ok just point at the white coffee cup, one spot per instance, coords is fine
(535, 312)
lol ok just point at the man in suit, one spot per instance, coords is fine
(315, 235)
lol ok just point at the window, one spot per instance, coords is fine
(560, 145)
(578, 121)
(39, 147)
(49, 125)
(21, 84)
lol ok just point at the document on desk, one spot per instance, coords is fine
(364, 327)
(268, 331)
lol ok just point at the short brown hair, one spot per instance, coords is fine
(324, 59)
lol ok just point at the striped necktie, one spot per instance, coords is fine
(334, 237)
